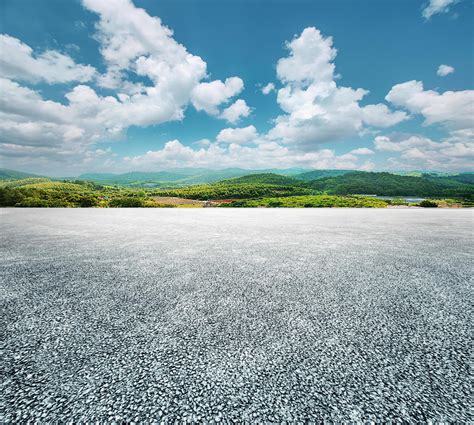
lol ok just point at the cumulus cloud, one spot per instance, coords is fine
(208, 96)
(267, 89)
(422, 152)
(444, 70)
(317, 110)
(131, 42)
(362, 151)
(452, 109)
(18, 62)
(239, 109)
(437, 6)
(237, 135)
(380, 116)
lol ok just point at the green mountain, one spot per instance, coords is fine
(467, 178)
(176, 177)
(386, 184)
(6, 174)
(264, 178)
(319, 174)
(132, 178)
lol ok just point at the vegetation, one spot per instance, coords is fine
(316, 201)
(387, 184)
(174, 178)
(6, 174)
(428, 204)
(232, 190)
(319, 174)
(264, 178)
(254, 190)
(467, 178)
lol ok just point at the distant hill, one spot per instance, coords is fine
(176, 177)
(386, 184)
(12, 183)
(264, 178)
(319, 174)
(6, 174)
(132, 177)
(467, 178)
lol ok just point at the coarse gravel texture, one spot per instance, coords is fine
(235, 315)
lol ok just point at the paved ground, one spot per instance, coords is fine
(235, 315)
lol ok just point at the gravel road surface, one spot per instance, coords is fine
(247, 315)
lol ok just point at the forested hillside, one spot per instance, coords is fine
(387, 184)
(176, 177)
(6, 174)
(319, 174)
(259, 189)
(228, 190)
(264, 178)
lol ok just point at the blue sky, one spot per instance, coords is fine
(104, 86)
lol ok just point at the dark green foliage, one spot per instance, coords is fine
(386, 184)
(467, 178)
(10, 197)
(317, 201)
(126, 203)
(428, 204)
(319, 174)
(264, 178)
(234, 191)
(34, 202)
(88, 202)
(464, 178)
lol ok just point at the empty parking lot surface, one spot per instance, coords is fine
(246, 315)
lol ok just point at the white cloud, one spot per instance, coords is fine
(380, 116)
(18, 62)
(422, 152)
(437, 6)
(208, 96)
(131, 42)
(238, 135)
(317, 109)
(385, 143)
(362, 151)
(268, 88)
(202, 142)
(444, 70)
(310, 59)
(261, 156)
(236, 111)
(453, 109)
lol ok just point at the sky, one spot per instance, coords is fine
(149, 85)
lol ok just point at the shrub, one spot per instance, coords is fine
(126, 203)
(88, 202)
(275, 204)
(428, 204)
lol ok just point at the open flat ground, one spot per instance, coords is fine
(256, 315)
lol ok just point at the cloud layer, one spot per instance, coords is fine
(148, 78)
(131, 41)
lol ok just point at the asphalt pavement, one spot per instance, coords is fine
(235, 315)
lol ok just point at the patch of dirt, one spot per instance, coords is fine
(170, 200)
